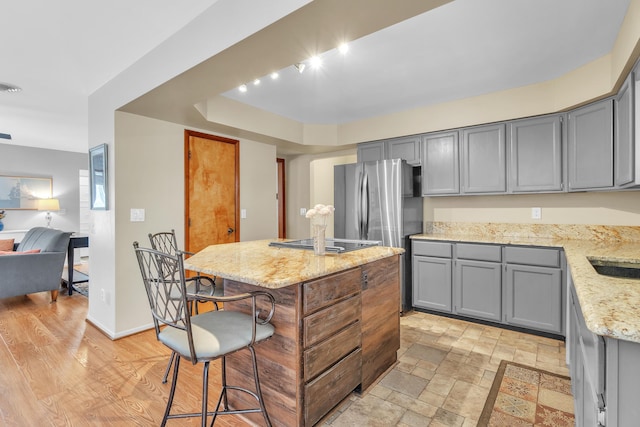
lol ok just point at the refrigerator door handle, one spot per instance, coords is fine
(364, 228)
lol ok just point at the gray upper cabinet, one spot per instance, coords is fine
(535, 154)
(404, 148)
(624, 147)
(484, 159)
(371, 151)
(440, 164)
(590, 146)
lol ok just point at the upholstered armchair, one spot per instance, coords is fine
(36, 264)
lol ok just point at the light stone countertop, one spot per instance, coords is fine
(610, 305)
(259, 264)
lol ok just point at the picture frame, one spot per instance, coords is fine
(23, 192)
(99, 177)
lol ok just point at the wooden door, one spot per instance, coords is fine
(212, 190)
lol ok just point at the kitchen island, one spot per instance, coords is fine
(337, 323)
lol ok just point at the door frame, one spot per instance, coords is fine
(282, 205)
(187, 134)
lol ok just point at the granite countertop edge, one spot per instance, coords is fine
(610, 305)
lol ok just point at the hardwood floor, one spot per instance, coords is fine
(59, 370)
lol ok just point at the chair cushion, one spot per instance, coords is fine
(215, 333)
(6, 244)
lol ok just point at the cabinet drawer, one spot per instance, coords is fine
(330, 388)
(326, 353)
(532, 256)
(324, 323)
(323, 292)
(435, 249)
(479, 252)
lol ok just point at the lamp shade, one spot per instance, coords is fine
(48, 205)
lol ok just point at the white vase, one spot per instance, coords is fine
(319, 239)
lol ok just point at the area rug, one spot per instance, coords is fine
(526, 396)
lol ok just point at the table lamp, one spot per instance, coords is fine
(48, 205)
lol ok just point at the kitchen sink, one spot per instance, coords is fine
(616, 268)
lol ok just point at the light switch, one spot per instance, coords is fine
(137, 215)
(243, 213)
(303, 211)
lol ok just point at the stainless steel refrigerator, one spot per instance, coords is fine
(380, 201)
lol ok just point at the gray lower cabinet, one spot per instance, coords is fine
(484, 159)
(605, 373)
(534, 288)
(535, 154)
(534, 297)
(433, 279)
(431, 268)
(478, 289)
(440, 164)
(590, 146)
(520, 286)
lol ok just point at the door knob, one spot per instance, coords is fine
(229, 230)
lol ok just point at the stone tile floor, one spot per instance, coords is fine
(444, 372)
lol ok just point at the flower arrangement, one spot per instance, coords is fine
(321, 212)
(318, 216)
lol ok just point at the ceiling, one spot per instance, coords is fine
(59, 54)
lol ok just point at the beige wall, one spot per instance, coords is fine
(309, 182)
(156, 147)
(614, 208)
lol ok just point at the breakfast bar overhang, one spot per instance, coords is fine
(337, 322)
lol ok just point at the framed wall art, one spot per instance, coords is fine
(98, 178)
(23, 192)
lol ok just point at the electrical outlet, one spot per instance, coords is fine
(536, 213)
(103, 295)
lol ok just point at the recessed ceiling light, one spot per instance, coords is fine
(256, 82)
(242, 88)
(6, 87)
(274, 75)
(343, 48)
(315, 62)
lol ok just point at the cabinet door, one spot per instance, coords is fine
(440, 164)
(624, 144)
(371, 151)
(535, 155)
(404, 148)
(534, 298)
(432, 283)
(484, 159)
(380, 317)
(590, 146)
(478, 289)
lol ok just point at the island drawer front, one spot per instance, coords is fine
(324, 292)
(322, 324)
(326, 353)
(479, 252)
(435, 249)
(532, 256)
(330, 388)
